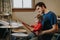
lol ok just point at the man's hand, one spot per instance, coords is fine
(42, 33)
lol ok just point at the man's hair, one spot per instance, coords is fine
(40, 4)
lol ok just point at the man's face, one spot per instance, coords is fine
(39, 9)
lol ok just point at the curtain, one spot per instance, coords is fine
(6, 6)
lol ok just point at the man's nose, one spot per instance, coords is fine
(39, 11)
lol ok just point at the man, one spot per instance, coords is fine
(49, 22)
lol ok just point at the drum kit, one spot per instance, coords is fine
(5, 24)
(21, 36)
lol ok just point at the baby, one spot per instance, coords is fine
(37, 27)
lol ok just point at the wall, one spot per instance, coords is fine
(52, 5)
(28, 17)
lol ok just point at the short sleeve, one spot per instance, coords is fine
(53, 19)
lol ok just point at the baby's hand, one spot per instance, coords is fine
(37, 33)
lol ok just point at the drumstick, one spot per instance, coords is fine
(25, 24)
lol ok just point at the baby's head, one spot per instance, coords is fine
(39, 17)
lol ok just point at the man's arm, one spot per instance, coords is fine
(52, 30)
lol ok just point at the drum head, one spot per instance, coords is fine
(19, 34)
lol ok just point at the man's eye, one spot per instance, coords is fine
(38, 9)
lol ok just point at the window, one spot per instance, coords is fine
(17, 3)
(23, 5)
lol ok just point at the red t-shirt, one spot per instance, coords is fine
(37, 27)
